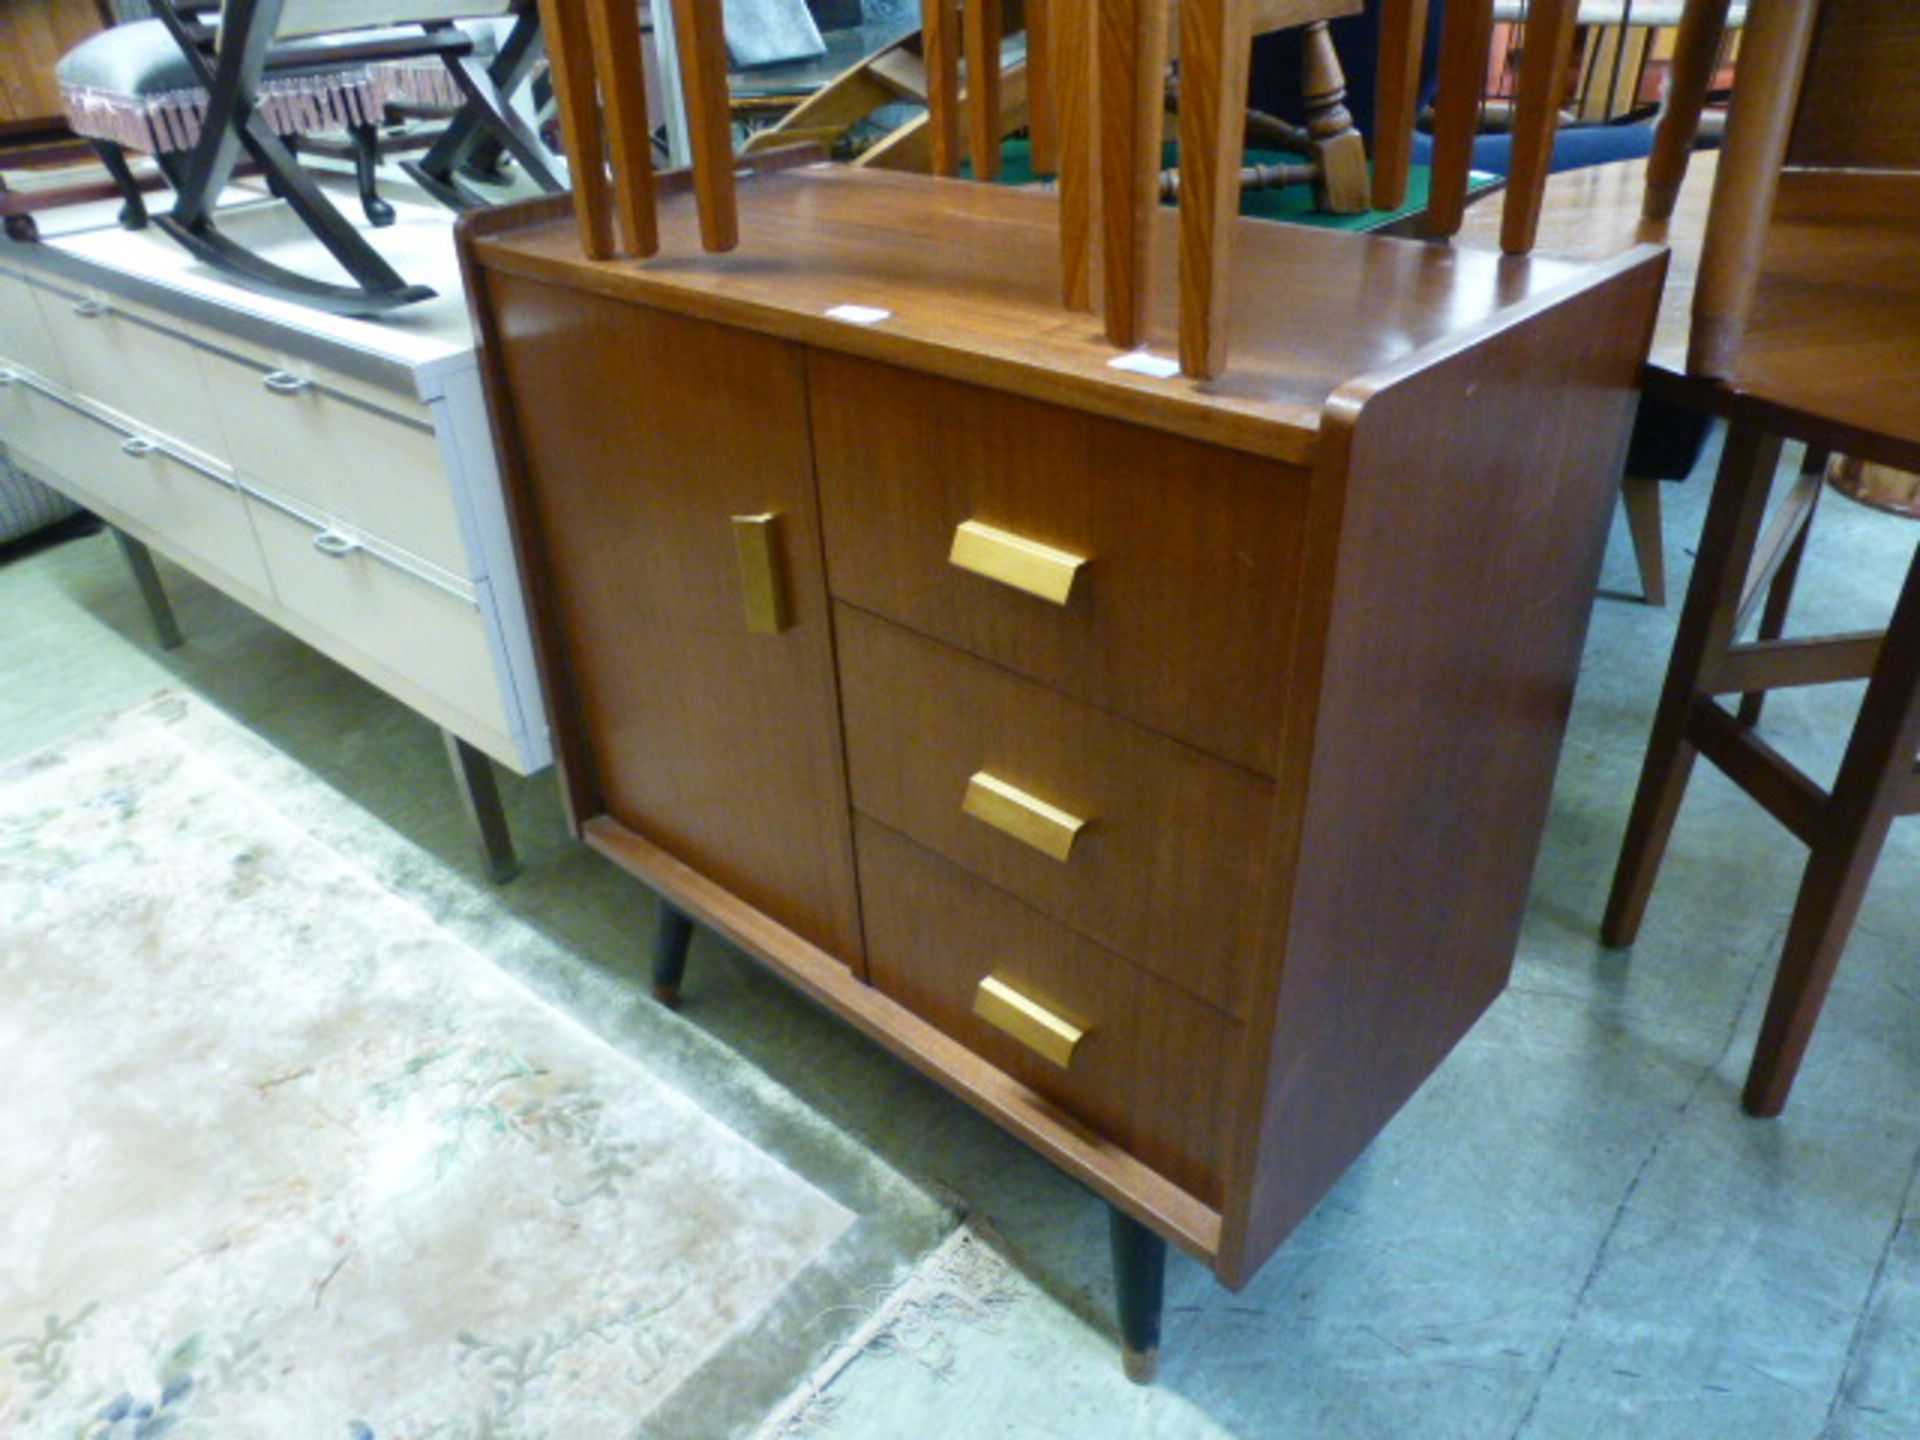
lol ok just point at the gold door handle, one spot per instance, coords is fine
(756, 543)
(1032, 1024)
(1025, 565)
(1027, 818)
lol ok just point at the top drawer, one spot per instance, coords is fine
(376, 470)
(1179, 616)
(131, 366)
(23, 334)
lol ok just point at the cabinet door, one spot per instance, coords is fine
(643, 437)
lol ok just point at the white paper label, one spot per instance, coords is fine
(858, 314)
(1139, 362)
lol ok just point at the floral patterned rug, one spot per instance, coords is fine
(282, 1158)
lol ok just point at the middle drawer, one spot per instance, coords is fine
(992, 771)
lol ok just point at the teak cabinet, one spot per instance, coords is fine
(1159, 767)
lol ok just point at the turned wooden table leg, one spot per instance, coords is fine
(1343, 186)
(1139, 1283)
(672, 935)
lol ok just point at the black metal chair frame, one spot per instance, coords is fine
(231, 73)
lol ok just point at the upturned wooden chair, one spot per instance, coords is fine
(1806, 326)
(1111, 148)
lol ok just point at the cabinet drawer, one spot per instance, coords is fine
(373, 469)
(34, 427)
(1151, 1069)
(422, 637)
(1166, 869)
(191, 511)
(131, 366)
(23, 334)
(1180, 615)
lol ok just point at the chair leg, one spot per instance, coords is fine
(1706, 629)
(365, 140)
(1876, 783)
(1780, 601)
(1642, 498)
(133, 212)
(1831, 889)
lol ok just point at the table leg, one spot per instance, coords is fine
(672, 935)
(1139, 1283)
(480, 795)
(159, 609)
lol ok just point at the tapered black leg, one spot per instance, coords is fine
(672, 934)
(1139, 1283)
(159, 609)
(480, 796)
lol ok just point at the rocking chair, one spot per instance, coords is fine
(264, 71)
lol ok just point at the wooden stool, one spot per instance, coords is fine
(1879, 779)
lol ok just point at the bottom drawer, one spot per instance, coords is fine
(195, 515)
(1150, 1069)
(419, 637)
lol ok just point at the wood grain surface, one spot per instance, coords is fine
(968, 277)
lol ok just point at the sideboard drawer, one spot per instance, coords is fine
(24, 339)
(193, 510)
(334, 452)
(193, 507)
(128, 364)
(971, 761)
(34, 427)
(426, 632)
(1151, 1069)
(1179, 616)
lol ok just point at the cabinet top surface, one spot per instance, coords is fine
(83, 247)
(967, 276)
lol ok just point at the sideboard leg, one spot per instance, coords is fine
(672, 934)
(1139, 1283)
(159, 608)
(480, 794)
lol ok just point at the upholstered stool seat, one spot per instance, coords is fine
(131, 85)
(131, 88)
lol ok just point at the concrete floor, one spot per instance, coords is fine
(1572, 1231)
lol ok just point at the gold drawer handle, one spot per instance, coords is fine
(757, 546)
(1027, 818)
(1026, 565)
(1033, 1025)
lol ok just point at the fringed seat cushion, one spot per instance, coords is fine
(132, 86)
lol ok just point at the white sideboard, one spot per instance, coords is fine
(336, 475)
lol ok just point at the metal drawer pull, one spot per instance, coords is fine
(9, 377)
(756, 543)
(1028, 819)
(1033, 1025)
(1026, 565)
(89, 309)
(135, 446)
(285, 382)
(334, 545)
